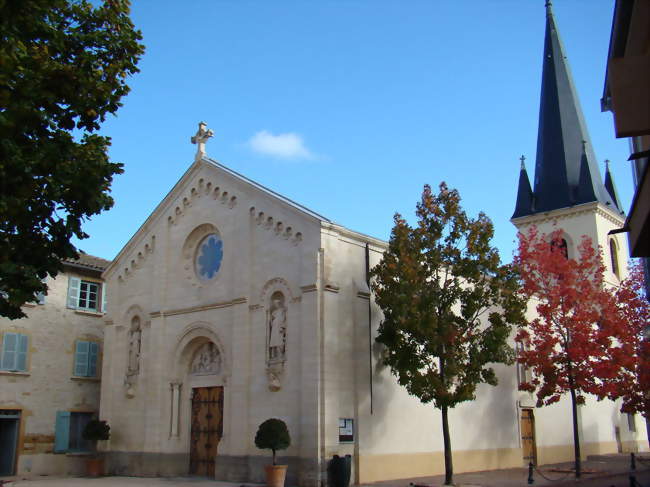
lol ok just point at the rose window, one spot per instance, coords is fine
(209, 255)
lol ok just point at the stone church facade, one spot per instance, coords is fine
(235, 303)
(232, 304)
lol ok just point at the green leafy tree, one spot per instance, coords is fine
(448, 305)
(63, 69)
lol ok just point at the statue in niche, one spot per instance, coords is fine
(277, 328)
(206, 361)
(135, 337)
(133, 365)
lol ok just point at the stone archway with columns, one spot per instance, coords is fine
(200, 362)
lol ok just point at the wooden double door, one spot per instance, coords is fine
(206, 429)
(528, 436)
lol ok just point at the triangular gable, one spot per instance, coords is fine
(184, 185)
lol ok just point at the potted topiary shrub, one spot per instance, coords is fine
(273, 435)
(95, 431)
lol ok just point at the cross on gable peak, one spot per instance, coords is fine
(200, 138)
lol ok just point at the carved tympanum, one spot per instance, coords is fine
(206, 361)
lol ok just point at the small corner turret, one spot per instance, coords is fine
(524, 204)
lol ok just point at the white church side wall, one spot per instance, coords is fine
(402, 437)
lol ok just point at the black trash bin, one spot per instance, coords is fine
(339, 471)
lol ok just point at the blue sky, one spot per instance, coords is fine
(349, 107)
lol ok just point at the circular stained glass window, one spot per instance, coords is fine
(209, 255)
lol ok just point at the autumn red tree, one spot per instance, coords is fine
(626, 370)
(566, 344)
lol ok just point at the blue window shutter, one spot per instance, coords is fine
(81, 359)
(21, 353)
(92, 359)
(9, 346)
(62, 431)
(73, 292)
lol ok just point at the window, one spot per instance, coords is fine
(613, 255)
(84, 295)
(85, 359)
(561, 246)
(14, 352)
(631, 424)
(523, 372)
(68, 429)
(209, 255)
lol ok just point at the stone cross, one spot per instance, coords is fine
(523, 160)
(200, 138)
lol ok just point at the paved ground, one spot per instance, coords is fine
(122, 481)
(605, 471)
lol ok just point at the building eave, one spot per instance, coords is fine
(569, 211)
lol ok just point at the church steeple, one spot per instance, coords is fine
(566, 172)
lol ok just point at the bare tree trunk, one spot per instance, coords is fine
(449, 467)
(576, 436)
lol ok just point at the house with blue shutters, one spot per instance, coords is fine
(50, 372)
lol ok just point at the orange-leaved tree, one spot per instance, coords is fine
(566, 344)
(626, 370)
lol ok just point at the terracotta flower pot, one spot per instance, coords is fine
(95, 467)
(275, 475)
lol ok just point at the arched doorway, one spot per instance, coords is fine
(206, 424)
(198, 392)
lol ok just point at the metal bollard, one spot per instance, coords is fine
(632, 461)
(531, 480)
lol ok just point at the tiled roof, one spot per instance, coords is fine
(89, 261)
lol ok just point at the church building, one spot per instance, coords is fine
(233, 304)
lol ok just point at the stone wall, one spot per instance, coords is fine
(49, 384)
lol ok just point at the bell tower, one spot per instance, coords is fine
(568, 190)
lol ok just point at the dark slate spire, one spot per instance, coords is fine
(584, 192)
(566, 172)
(524, 193)
(611, 187)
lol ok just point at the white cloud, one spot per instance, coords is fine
(283, 146)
